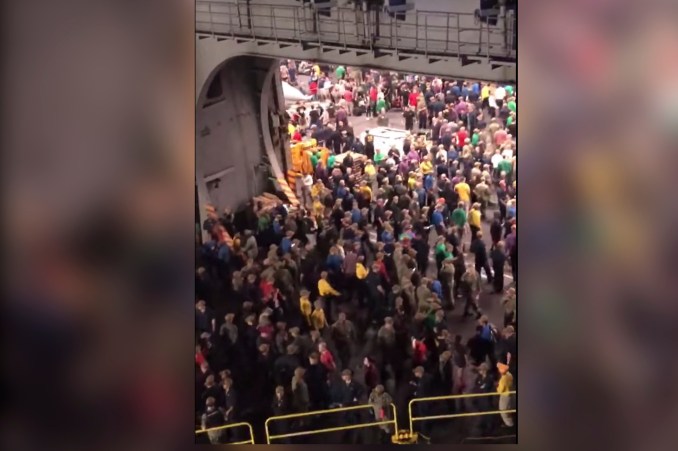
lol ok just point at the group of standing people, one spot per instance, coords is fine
(359, 295)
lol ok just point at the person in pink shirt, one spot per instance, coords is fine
(500, 137)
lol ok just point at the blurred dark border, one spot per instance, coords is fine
(99, 215)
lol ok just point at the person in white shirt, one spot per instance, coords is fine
(500, 94)
(496, 159)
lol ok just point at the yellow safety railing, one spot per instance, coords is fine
(315, 413)
(249, 441)
(414, 419)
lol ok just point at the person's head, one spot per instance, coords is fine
(508, 331)
(263, 348)
(210, 403)
(347, 375)
(323, 275)
(279, 391)
(479, 234)
(201, 306)
(322, 346)
(418, 372)
(299, 372)
(318, 303)
(388, 322)
(227, 383)
(379, 389)
(342, 316)
(313, 358)
(483, 320)
(483, 368)
(209, 380)
(445, 356)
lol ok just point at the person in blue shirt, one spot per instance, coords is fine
(421, 195)
(428, 182)
(334, 260)
(286, 242)
(452, 154)
(437, 288)
(438, 220)
(224, 253)
(342, 191)
(356, 215)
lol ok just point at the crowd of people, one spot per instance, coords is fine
(353, 297)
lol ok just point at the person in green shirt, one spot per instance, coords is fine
(506, 166)
(511, 119)
(381, 104)
(475, 138)
(509, 90)
(340, 72)
(459, 215)
(512, 105)
(330, 162)
(459, 219)
(379, 157)
(314, 160)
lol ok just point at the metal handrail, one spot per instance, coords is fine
(231, 426)
(414, 419)
(445, 32)
(315, 413)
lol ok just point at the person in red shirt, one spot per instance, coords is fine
(326, 358)
(418, 352)
(462, 135)
(374, 95)
(413, 98)
(313, 88)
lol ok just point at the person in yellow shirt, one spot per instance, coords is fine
(485, 92)
(464, 192)
(324, 287)
(318, 319)
(370, 170)
(474, 218)
(305, 306)
(290, 128)
(426, 166)
(316, 70)
(318, 208)
(411, 180)
(360, 271)
(504, 386)
(317, 189)
(366, 191)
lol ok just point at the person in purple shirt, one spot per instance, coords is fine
(413, 156)
(404, 166)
